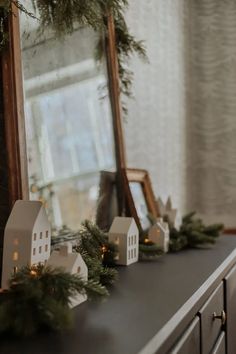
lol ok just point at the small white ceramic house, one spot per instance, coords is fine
(124, 233)
(160, 235)
(166, 209)
(72, 263)
(27, 238)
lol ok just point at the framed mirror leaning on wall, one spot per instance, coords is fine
(68, 118)
(140, 199)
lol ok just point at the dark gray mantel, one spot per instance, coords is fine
(139, 313)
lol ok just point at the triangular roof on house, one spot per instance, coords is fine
(122, 224)
(169, 203)
(66, 262)
(24, 215)
(160, 225)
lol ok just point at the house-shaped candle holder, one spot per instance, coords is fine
(27, 238)
(72, 263)
(159, 234)
(124, 233)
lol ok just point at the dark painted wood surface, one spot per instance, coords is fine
(220, 345)
(230, 285)
(189, 341)
(141, 303)
(210, 329)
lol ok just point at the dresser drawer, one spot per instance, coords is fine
(230, 286)
(220, 345)
(210, 327)
(189, 341)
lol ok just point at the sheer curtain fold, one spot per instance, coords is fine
(181, 125)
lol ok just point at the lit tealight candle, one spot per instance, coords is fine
(104, 249)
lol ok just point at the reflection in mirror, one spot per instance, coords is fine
(140, 204)
(140, 198)
(68, 121)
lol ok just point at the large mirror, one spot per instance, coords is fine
(68, 116)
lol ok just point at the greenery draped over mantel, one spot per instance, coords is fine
(62, 16)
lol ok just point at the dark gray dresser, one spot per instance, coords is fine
(175, 305)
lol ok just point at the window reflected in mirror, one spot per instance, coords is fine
(68, 121)
(140, 204)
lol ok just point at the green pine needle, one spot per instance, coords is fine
(149, 251)
(193, 233)
(39, 297)
(64, 16)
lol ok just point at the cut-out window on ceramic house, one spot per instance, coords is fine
(15, 256)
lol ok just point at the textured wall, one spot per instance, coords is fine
(182, 125)
(156, 127)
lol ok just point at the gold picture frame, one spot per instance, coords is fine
(140, 198)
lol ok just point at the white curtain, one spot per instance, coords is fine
(181, 126)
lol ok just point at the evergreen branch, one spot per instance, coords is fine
(39, 297)
(193, 233)
(64, 16)
(95, 243)
(108, 276)
(97, 272)
(95, 290)
(149, 251)
(22, 8)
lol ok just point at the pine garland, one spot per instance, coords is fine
(193, 233)
(64, 16)
(99, 273)
(149, 251)
(127, 46)
(39, 298)
(95, 243)
(98, 253)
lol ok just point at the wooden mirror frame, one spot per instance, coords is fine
(142, 177)
(13, 165)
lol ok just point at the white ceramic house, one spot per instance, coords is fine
(124, 233)
(166, 209)
(72, 263)
(27, 238)
(159, 234)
